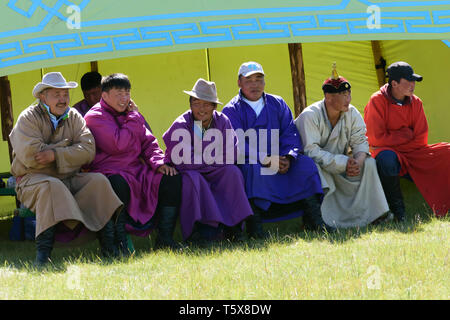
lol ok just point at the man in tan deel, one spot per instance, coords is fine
(50, 145)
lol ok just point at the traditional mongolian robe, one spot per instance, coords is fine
(404, 130)
(348, 201)
(264, 187)
(59, 191)
(212, 186)
(82, 107)
(124, 146)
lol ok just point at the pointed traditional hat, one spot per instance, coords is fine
(335, 83)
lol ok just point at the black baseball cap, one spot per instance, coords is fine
(400, 69)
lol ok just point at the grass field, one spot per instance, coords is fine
(390, 261)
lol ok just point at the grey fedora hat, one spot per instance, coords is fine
(53, 80)
(204, 90)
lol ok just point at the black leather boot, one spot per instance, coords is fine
(235, 233)
(312, 217)
(397, 207)
(166, 226)
(44, 246)
(120, 234)
(106, 238)
(254, 225)
(197, 238)
(394, 196)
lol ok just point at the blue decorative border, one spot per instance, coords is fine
(52, 12)
(212, 31)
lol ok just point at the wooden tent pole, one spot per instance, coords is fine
(298, 77)
(380, 63)
(208, 64)
(94, 66)
(6, 111)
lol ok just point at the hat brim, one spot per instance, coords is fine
(42, 86)
(330, 89)
(195, 95)
(415, 77)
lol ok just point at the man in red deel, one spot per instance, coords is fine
(397, 131)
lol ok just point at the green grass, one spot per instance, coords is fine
(390, 261)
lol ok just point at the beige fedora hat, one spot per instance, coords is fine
(204, 90)
(53, 80)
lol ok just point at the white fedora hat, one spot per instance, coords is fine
(53, 80)
(204, 90)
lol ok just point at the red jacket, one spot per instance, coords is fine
(404, 130)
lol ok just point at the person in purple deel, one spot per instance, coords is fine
(129, 155)
(279, 179)
(92, 91)
(202, 146)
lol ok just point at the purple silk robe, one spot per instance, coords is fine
(126, 147)
(82, 107)
(301, 181)
(211, 193)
